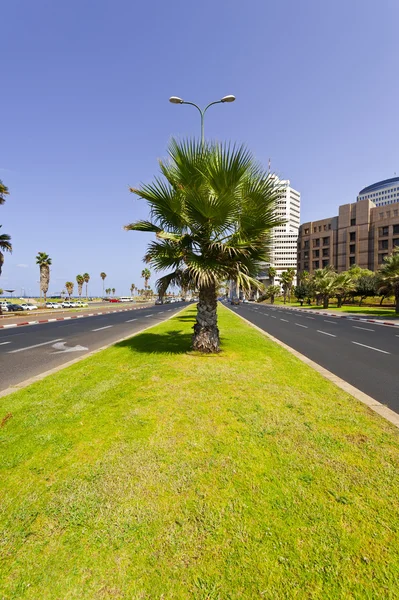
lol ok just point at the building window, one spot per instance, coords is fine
(306, 231)
(384, 231)
(352, 236)
(316, 243)
(395, 242)
(306, 244)
(325, 263)
(353, 221)
(396, 229)
(326, 252)
(325, 227)
(319, 227)
(306, 266)
(352, 249)
(381, 258)
(381, 215)
(383, 245)
(326, 241)
(352, 261)
(315, 264)
(316, 253)
(314, 229)
(329, 226)
(306, 254)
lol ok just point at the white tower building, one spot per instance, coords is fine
(283, 250)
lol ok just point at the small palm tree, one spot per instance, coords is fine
(324, 281)
(272, 274)
(113, 291)
(103, 276)
(287, 278)
(132, 288)
(389, 275)
(44, 262)
(3, 192)
(80, 281)
(86, 278)
(273, 291)
(146, 274)
(69, 288)
(212, 216)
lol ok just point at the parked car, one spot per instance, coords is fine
(158, 301)
(114, 300)
(80, 303)
(52, 305)
(235, 301)
(14, 307)
(4, 306)
(27, 306)
(67, 304)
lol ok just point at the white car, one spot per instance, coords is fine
(80, 304)
(26, 306)
(53, 305)
(4, 306)
(67, 304)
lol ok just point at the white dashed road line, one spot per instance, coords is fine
(299, 325)
(130, 320)
(365, 329)
(333, 322)
(148, 316)
(371, 347)
(2, 343)
(101, 328)
(284, 320)
(325, 333)
(313, 318)
(35, 346)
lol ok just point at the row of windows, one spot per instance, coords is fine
(388, 214)
(384, 244)
(384, 231)
(382, 193)
(316, 242)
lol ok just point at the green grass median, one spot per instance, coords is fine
(149, 472)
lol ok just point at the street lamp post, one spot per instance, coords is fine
(177, 100)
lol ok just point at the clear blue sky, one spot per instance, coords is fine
(85, 112)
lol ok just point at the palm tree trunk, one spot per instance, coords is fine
(206, 333)
(396, 288)
(326, 299)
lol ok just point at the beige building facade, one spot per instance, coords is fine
(362, 234)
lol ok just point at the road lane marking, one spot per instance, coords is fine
(130, 320)
(333, 322)
(2, 343)
(161, 312)
(100, 328)
(313, 318)
(365, 328)
(273, 317)
(285, 320)
(325, 333)
(146, 316)
(371, 347)
(62, 347)
(299, 325)
(169, 309)
(35, 346)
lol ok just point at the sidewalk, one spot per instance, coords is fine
(40, 316)
(342, 315)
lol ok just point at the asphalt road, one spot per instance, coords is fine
(31, 350)
(365, 355)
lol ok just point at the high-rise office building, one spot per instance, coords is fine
(283, 247)
(381, 193)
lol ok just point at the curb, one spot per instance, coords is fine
(373, 404)
(35, 378)
(41, 321)
(350, 318)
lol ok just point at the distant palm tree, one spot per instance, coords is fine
(273, 291)
(287, 278)
(113, 291)
(69, 288)
(86, 278)
(44, 262)
(132, 288)
(80, 281)
(272, 274)
(103, 276)
(389, 275)
(146, 274)
(5, 239)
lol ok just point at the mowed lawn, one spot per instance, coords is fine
(149, 472)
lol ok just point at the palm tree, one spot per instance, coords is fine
(3, 192)
(113, 291)
(325, 281)
(389, 275)
(272, 274)
(146, 274)
(343, 285)
(69, 288)
(44, 262)
(273, 291)
(86, 278)
(287, 278)
(5, 239)
(5, 246)
(80, 281)
(212, 216)
(103, 276)
(132, 288)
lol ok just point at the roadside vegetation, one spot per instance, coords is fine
(150, 471)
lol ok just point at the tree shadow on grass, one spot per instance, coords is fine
(171, 342)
